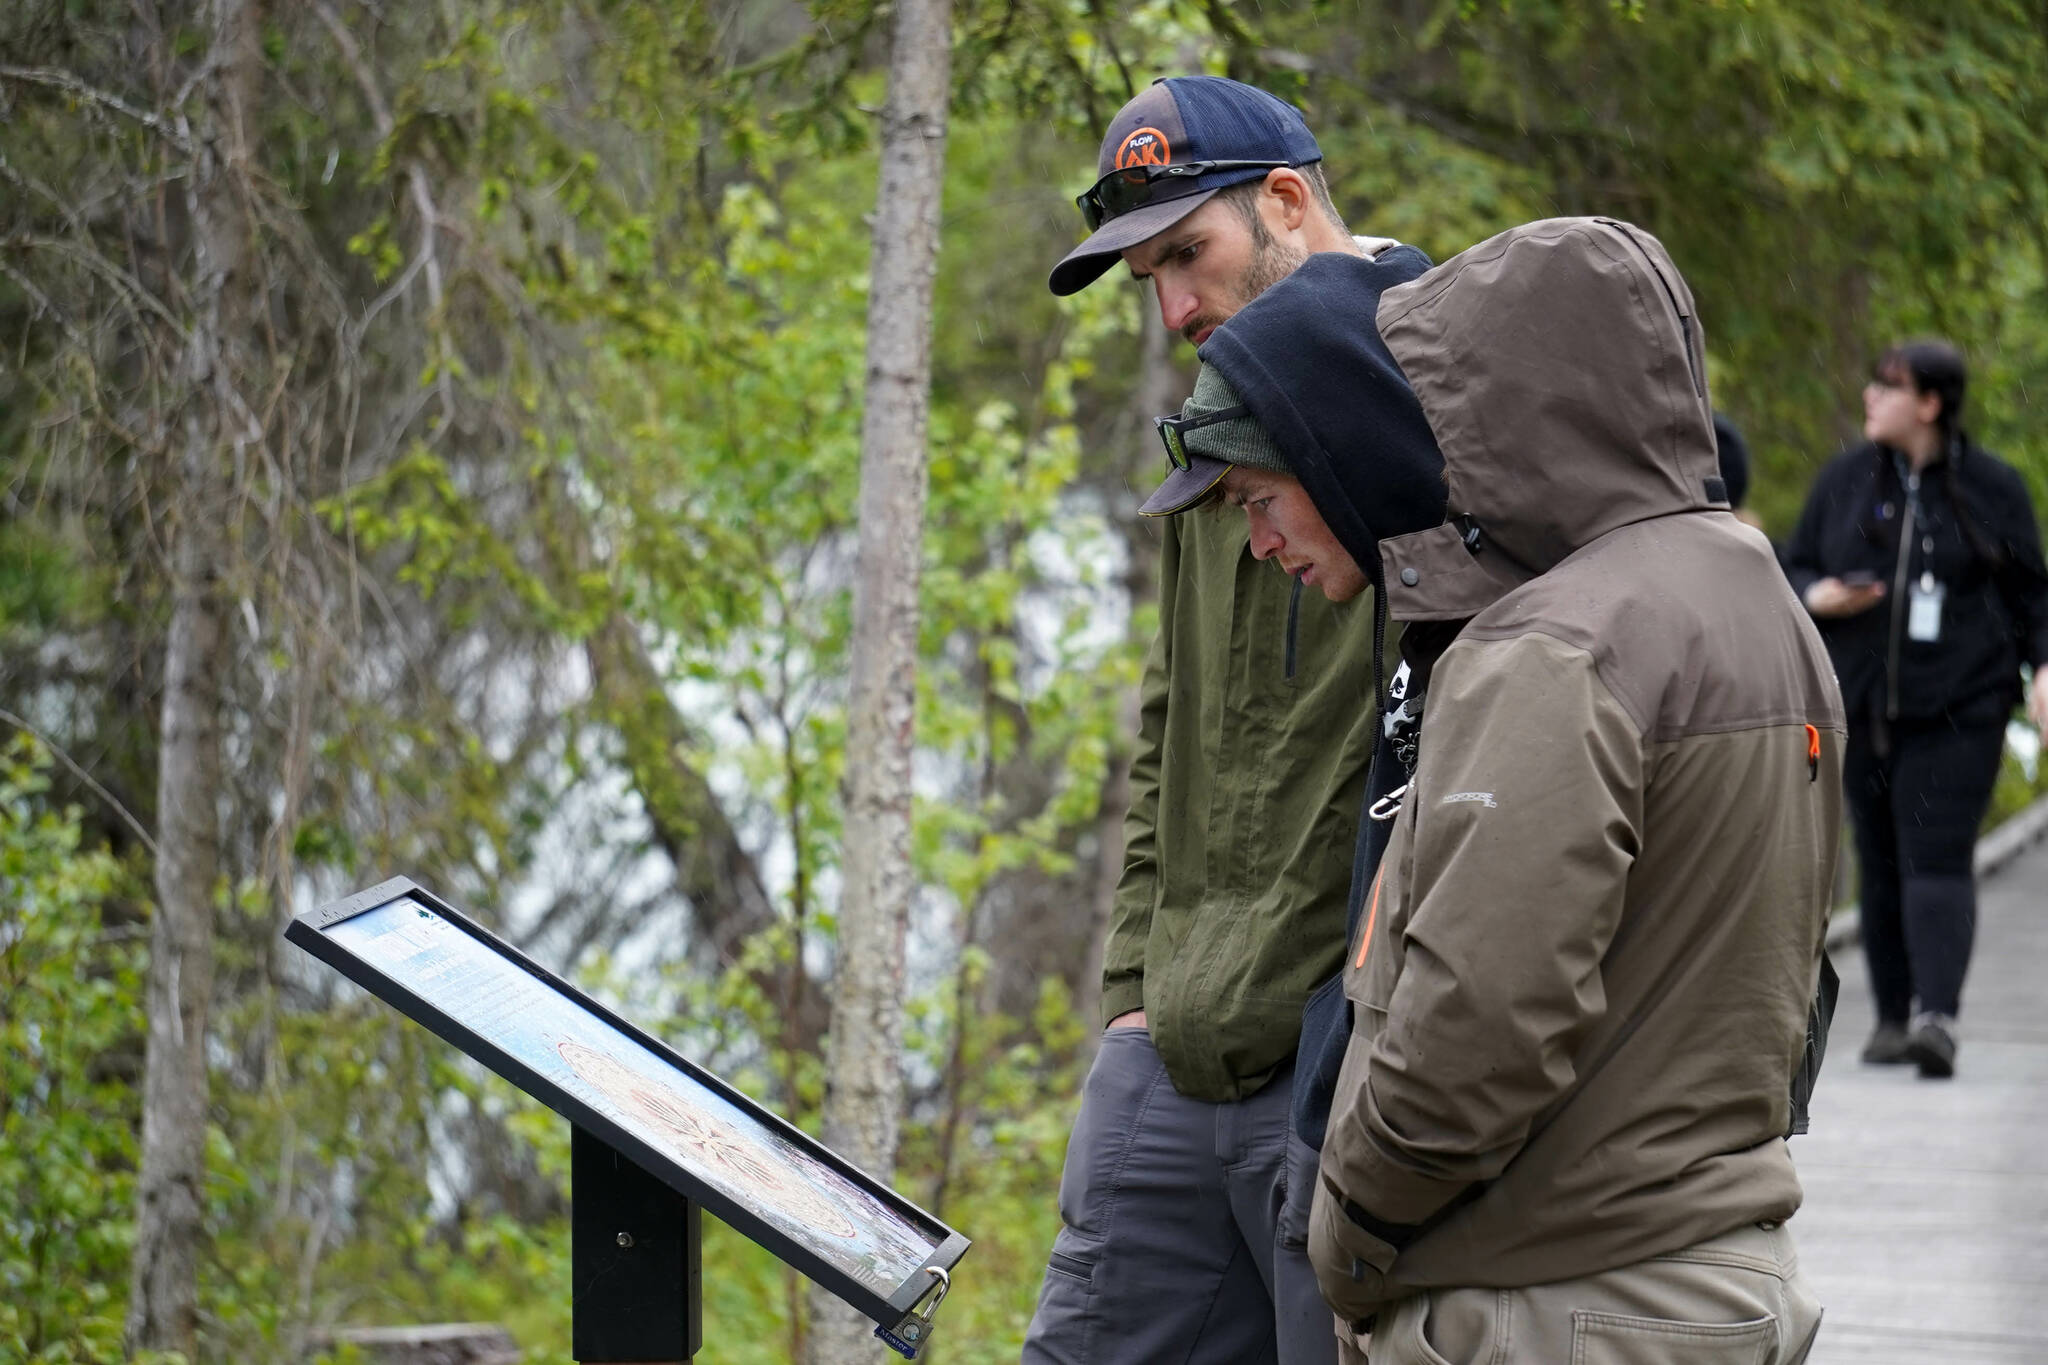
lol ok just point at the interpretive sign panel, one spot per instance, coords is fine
(761, 1175)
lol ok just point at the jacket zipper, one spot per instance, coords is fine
(1907, 530)
(1293, 621)
(1692, 368)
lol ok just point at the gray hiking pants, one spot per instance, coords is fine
(1180, 1242)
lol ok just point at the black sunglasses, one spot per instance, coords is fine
(1173, 430)
(1136, 186)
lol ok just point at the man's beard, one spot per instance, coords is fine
(1272, 261)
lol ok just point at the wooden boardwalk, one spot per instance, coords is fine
(1925, 1229)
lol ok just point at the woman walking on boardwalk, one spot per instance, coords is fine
(1919, 557)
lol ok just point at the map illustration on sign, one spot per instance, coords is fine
(550, 1032)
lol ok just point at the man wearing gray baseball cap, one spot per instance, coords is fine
(1185, 1195)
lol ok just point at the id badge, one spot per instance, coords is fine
(1923, 610)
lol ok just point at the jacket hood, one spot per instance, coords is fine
(1564, 374)
(1307, 361)
(1560, 374)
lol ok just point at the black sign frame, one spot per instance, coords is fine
(308, 931)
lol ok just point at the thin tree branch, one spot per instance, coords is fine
(127, 285)
(45, 304)
(352, 58)
(425, 257)
(57, 79)
(127, 816)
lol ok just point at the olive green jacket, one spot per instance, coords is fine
(1245, 796)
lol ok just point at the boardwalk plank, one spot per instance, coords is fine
(1925, 1228)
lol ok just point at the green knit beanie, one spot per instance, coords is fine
(1240, 440)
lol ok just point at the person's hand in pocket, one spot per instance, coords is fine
(1351, 1264)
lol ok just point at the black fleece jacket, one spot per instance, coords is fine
(1994, 613)
(1350, 427)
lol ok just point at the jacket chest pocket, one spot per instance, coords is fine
(1374, 961)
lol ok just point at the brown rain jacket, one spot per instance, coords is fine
(1581, 987)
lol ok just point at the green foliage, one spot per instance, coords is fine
(990, 1151)
(70, 1025)
(40, 579)
(2022, 776)
(332, 1172)
(1827, 184)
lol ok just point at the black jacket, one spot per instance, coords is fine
(1994, 613)
(1307, 358)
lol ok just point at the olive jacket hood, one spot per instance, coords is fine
(1580, 988)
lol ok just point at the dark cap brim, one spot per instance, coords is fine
(1087, 262)
(1185, 487)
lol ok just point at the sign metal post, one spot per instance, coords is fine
(636, 1258)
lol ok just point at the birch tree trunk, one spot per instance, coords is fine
(863, 1095)
(163, 1301)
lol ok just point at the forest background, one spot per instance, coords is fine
(507, 356)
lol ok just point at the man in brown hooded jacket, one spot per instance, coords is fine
(1581, 987)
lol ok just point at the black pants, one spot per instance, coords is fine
(1915, 813)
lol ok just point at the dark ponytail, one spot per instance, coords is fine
(1936, 367)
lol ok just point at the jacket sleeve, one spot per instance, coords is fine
(1531, 791)
(1802, 554)
(1137, 890)
(2024, 581)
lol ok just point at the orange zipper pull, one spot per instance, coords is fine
(1372, 916)
(1812, 754)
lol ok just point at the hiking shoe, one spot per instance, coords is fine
(1932, 1046)
(1887, 1046)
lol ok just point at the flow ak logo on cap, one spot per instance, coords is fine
(1148, 131)
(1145, 147)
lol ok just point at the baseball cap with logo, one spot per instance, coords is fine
(1166, 154)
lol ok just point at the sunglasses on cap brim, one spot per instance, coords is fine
(1134, 187)
(1173, 430)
